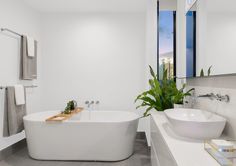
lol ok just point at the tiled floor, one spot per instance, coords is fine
(141, 157)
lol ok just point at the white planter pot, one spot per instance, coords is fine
(178, 106)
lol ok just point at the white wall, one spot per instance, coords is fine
(16, 16)
(93, 56)
(180, 42)
(168, 5)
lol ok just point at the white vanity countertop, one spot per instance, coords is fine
(186, 152)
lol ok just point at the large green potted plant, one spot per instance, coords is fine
(161, 94)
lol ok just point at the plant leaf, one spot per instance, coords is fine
(209, 71)
(202, 73)
(152, 72)
(146, 113)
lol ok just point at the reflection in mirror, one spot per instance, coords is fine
(191, 44)
(215, 37)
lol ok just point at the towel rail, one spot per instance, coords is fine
(11, 31)
(31, 86)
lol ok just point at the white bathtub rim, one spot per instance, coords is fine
(54, 112)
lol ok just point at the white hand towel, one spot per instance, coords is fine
(30, 46)
(19, 94)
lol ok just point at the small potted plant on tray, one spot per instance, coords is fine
(71, 106)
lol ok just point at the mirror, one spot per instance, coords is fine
(211, 38)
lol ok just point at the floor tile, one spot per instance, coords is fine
(141, 157)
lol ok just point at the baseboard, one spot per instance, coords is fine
(12, 149)
(142, 136)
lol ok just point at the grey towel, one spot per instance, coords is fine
(28, 65)
(13, 114)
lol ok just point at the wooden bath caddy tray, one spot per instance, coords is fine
(61, 117)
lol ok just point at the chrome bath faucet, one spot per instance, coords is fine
(89, 103)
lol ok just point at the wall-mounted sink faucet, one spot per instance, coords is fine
(218, 97)
(211, 96)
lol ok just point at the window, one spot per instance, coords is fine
(166, 51)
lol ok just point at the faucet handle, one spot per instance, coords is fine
(223, 98)
(86, 102)
(226, 98)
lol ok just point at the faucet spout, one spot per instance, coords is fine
(211, 96)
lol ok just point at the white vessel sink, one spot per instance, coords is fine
(194, 123)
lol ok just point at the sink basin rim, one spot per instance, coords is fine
(184, 111)
(202, 125)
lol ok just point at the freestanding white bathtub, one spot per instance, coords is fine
(89, 136)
